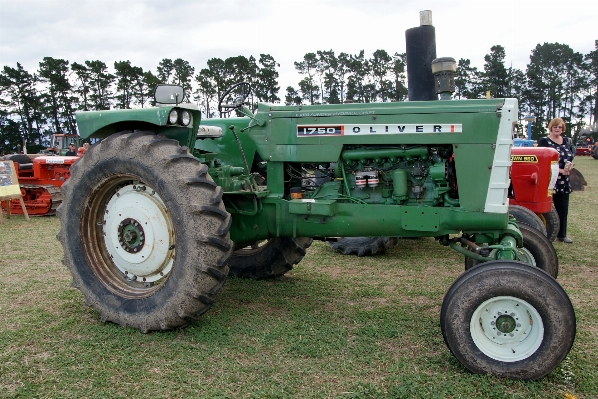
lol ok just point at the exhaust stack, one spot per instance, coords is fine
(421, 51)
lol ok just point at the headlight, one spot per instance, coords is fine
(185, 118)
(173, 116)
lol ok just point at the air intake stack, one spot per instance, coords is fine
(444, 70)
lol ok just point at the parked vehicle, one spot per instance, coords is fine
(40, 179)
(154, 217)
(156, 214)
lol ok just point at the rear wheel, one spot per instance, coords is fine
(524, 215)
(363, 246)
(268, 258)
(144, 232)
(552, 222)
(509, 320)
(537, 251)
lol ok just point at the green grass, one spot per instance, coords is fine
(333, 327)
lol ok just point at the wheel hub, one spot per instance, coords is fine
(138, 234)
(131, 235)
(506, 324)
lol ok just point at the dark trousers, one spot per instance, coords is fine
(561, 204)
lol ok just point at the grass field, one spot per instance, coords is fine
(333, 327)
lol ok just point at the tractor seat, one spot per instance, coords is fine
(25, 166)
(21, 159)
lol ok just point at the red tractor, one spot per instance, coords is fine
(42, 175)
(534, 171)
(40, 178)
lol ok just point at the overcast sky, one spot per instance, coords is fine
(146, 31)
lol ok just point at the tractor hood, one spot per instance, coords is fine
(390, 108)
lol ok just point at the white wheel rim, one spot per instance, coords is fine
(138, 233)
(507, 329)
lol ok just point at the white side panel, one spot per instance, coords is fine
(496, 197)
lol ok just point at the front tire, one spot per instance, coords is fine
(524, 216)
(144, 232)
(269, 258)
(508, 319)
(552, 222)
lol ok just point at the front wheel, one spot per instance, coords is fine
(144, 232)
(524, 216)
(552, 222)
(508, 319)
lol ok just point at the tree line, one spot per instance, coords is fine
(33, 106)
(558, 82)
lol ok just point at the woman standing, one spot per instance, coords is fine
(562, 189)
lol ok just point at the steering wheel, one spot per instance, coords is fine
(234, 97)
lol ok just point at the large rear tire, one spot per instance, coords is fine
(363, 246)
(144, 232)
(269, 258)
(538, 246)
(525, 216)
(552, 222)
(509, 320)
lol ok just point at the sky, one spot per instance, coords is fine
(146, 31)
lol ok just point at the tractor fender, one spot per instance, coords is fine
(101, 124)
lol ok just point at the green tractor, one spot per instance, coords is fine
(158, 213)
